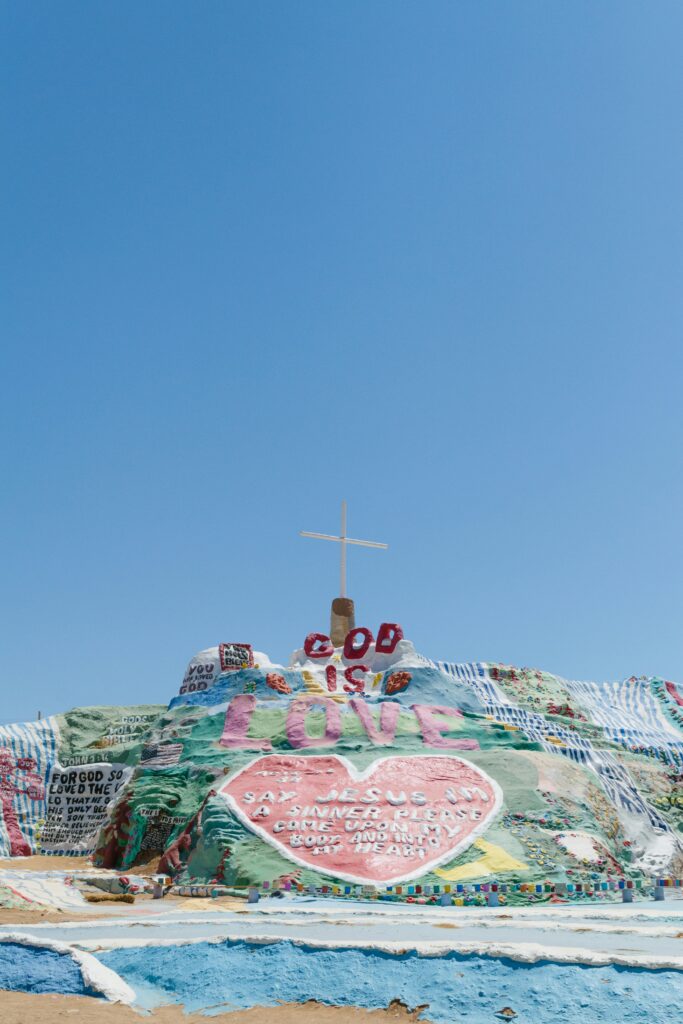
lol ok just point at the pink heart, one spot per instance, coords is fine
(396, 820)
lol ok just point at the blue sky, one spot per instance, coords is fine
(259, 257)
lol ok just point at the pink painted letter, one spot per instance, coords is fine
(296, 722)
(388, 717)
(432, 728)
(237, 718)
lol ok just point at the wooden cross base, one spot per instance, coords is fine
(342, 619)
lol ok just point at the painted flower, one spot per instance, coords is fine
(397, 681)
(278, 683)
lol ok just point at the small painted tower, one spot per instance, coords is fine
(342, 619)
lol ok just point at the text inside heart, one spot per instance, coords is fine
(395, 820)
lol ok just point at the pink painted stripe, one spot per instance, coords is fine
(673, 692)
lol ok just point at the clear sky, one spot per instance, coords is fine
(258, 257)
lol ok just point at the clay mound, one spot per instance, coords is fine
(379, 768)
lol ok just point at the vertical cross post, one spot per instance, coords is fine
(342, 617)
(342, 537)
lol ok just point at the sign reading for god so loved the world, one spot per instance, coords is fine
(396, 820)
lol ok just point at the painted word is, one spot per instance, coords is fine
(399, 818)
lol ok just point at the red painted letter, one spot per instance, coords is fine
(324, 648)
(388, 637)
(352, 653)
(353, 685)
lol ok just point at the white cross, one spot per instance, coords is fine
(343, 540)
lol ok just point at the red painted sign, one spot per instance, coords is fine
(396, 820)
(12, 785)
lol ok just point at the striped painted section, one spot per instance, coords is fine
(161, 755)
(556, 739)
(630, 714)
(475, 675)
(39, 741)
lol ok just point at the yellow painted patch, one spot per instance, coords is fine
(495, 861)
(313, 686)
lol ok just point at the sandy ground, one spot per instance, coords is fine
(20, 1008)
(38, 863)
(39, 916)
(53, 915)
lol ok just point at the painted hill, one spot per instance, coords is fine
(368, 764)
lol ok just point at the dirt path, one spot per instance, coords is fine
(38, 863)
(21, 1008)
(40, 916)
(56, 863)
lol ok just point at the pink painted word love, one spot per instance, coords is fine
(397, 819)
(433, 720)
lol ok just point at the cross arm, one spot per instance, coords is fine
(347, 540)
(319, 536)
(366, 543)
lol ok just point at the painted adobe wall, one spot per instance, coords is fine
(60, 776)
